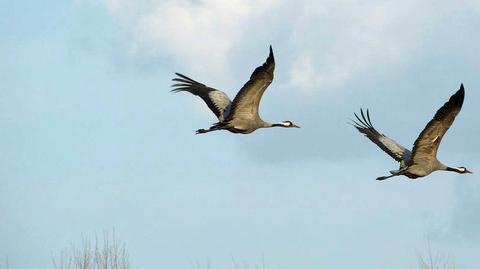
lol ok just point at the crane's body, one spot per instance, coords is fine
(240, 115)
(422, 160)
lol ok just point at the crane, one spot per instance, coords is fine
(241, 114)
(422, 160)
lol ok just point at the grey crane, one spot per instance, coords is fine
(422, 160)
(241, 115)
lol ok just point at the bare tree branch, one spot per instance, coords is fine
(434, 260)
(105, 254)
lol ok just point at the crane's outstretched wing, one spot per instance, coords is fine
(388, 145)
(426, 146)
(216, 100)
(246, 102)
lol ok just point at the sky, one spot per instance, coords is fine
(92, 139)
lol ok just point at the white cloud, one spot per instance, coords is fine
(304, 75)
(199, 34)
(347, 39)
(332, 42)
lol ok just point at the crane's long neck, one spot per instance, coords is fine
(453, 169)
(460, 169)
(269, 125)
(441, 166)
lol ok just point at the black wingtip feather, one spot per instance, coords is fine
(364, 121)
(358, 118)
(360, 123)
(368, 117)
(363, 116)
(458, 96)
(462, 89)
(271, 58)
(184, 78)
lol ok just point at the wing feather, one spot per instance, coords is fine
(426, 146)
(216, 100)
(392, 148)
(246, 103)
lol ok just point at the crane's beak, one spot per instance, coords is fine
(467, 171)
(296, 126)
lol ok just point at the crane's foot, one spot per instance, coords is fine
(201, 131)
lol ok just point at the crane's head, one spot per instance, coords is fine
(463, 170)
(288, 124)
(460, 170)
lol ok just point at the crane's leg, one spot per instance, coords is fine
(393, 174)
(204, 131)
(394, 171)
(386, 177)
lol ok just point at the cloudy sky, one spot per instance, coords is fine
(92, 139)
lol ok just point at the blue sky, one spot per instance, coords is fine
(92, 138)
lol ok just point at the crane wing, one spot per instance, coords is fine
(388, 145)
(216, 100)
(246, 102)
(426, 146)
